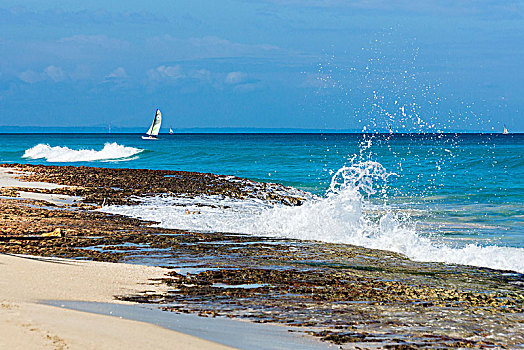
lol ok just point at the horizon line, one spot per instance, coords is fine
(312, 131)
(4, 129)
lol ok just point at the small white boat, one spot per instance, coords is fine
(153, 130)
(505, 132)
(170, 131)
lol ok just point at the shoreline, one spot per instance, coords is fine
(27, 281)
(27, 323)
(69, 304)
(343, 294)
(48, 289)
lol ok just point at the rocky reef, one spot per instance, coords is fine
(350, 296)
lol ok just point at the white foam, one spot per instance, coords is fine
(111, 151)
(344, 215)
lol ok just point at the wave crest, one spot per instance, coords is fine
(58, 154)
(345, 215)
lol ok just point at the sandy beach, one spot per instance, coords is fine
(26, 280)
(26, 324)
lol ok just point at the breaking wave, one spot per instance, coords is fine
(110, 152)
(348, 213)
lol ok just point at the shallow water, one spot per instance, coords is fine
(452, 198)
(237, 334)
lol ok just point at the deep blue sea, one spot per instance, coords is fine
(457, 198)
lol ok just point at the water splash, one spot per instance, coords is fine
(57, 154)
(353, 211)
(391, 97)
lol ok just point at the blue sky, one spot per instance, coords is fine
(319, 64)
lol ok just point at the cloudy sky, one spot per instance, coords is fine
(314, 64)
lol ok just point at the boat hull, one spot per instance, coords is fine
(149, 138)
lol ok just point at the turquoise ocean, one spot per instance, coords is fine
(454, 198)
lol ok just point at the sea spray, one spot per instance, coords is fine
(354, 211)
(58, 154)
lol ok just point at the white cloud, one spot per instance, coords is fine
(233, 78)
(201, 74)
(247, 87)
(174, 48)
(94, 41)
(216, 42)
(30, 76)
(53, 73)
(118, 73)
(165, 73)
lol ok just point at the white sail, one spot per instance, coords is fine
(155, 125)
(170, 130)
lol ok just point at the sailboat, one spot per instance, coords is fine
(505, 132)
(153, 130)
(170, 131)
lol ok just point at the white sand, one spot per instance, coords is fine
(8, 179)
(25, 324)
(24, 280)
